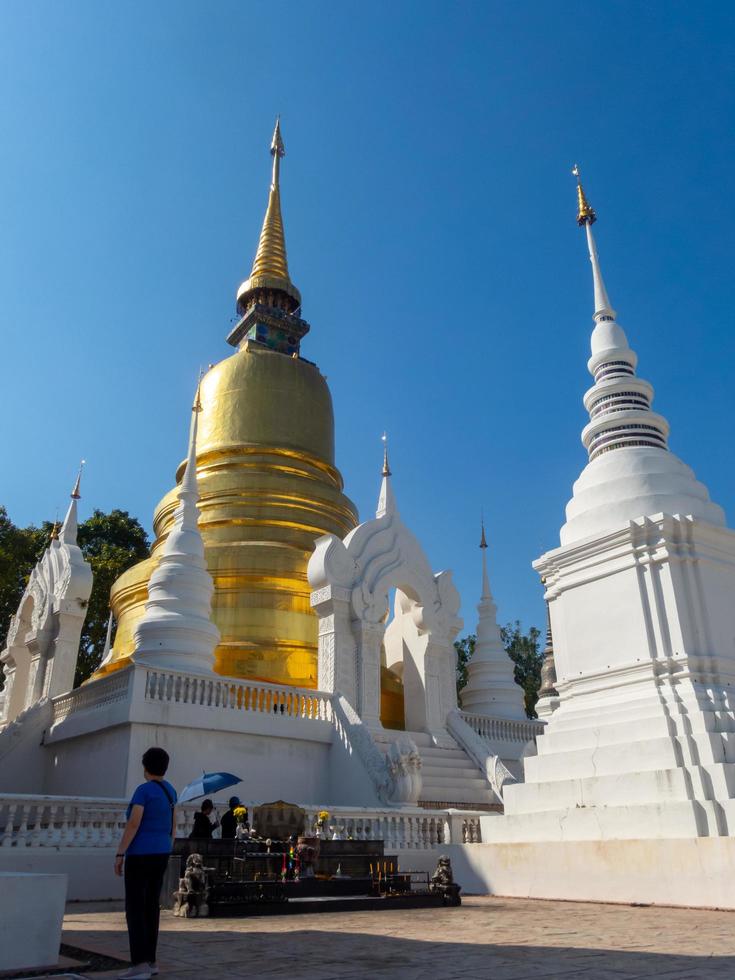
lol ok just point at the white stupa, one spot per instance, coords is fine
(176, 631)
(631, 796)
(491, 688)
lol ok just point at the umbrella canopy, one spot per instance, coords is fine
(207, 784)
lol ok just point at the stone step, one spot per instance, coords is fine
(670, 820)
(655, 785)
(699, 749)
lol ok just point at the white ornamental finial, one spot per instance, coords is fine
(386, 500)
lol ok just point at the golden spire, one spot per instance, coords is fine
(386, 468)
(55, 531)
(270, 266)
(585, 212)
(75, 494)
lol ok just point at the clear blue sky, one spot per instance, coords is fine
(429, 214)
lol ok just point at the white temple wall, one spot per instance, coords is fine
(95, 764)
(107, 762)
(695, 873)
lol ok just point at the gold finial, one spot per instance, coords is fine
(386, 467)
(483, 539)
(270, 258)
(270, 266)
(585, 212)
(75, 494)
(277, 147)
(197, 406)
(55, 530)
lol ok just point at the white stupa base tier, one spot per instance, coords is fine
(621, 485)
(696, 872)
(635, 771)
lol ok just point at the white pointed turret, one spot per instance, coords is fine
(491, 688)
(68, 532)
(631, 473)
(386, 500)
(107, 652)
(176, 631)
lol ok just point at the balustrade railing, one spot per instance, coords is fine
(70, 822)
(235, 695)
(98, 694)
(501, 729)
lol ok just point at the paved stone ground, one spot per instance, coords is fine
(485, 939)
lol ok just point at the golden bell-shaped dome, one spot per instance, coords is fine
(268, 488)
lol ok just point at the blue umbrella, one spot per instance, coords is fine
(208, 784)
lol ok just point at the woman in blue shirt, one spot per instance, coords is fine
(145, 848)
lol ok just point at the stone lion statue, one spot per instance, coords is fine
(404, 767)
(443, 883)
(191, 899)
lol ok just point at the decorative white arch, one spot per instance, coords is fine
(351, 580)
(40, 656)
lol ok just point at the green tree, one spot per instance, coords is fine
(465, 649)
(111, 543)
(523, 650)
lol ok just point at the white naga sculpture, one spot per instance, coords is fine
(351, 580)
(42, 647)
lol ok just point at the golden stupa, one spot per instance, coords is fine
(267, 481)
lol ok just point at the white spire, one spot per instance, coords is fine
(107, 652)
(176, 630)
(68, 532)
(603, 307)
(631, 473)
(386, 500)
(485, 580)
(491, 688)
(619, 403)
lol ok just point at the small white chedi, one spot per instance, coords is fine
(177, 630)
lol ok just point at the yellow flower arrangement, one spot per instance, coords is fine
(322, 817)
(240, 813)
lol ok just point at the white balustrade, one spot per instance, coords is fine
(229, 694)
(71, 822)
(97, 694)
(503, 729)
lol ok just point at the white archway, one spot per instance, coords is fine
(351, 580)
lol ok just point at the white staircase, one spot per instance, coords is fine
(449, 777)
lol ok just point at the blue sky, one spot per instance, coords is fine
(429, 212)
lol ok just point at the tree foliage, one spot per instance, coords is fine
(111, 543)
(523, 650)
(465, 649)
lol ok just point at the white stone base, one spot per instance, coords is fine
(30, 924)
(698, 873)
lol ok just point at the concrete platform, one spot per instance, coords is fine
(485, 939)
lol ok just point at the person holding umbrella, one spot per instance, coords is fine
(210, 782)
(203, 825)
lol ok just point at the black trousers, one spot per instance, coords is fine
(143, 880)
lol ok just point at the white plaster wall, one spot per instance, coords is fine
(89, 870)
(107, 763)
(697, 873)
(95, 764)
(22, 756)
(30, 925)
